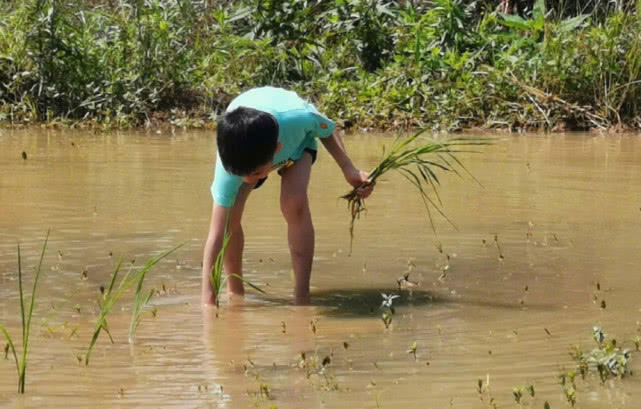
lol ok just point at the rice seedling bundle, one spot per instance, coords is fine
(418, 160)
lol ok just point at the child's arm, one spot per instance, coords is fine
(212, 248)
(355, 177)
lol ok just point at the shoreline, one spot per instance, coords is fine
(199, 124)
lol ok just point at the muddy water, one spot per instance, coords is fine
(555, 216)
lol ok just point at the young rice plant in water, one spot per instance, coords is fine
(21, 364)
(217, 278)
(419, 164)
(110, 297)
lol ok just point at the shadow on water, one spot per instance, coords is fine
(362, 302)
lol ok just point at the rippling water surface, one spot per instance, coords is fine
(548, 236)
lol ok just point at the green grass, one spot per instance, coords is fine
(26, 315)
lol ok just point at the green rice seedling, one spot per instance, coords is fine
(530, 390)
(111, 296)
(21, 364)
(411, 350)
(217, 278)
(411, 161)
(386, 317)
(517, 393)
(569, 391)
(140, 303)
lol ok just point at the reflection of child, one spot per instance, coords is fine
(266, 129)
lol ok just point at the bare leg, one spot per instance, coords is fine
(300, 230)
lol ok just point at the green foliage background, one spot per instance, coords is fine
(444, 64)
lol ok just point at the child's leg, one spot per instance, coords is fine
(300, 231)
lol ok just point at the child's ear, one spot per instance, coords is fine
(279, 146)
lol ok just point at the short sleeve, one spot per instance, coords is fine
(225, 186)
(322, 127)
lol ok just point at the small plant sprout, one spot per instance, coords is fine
(412, 350)
(569, 392)
(637, 342)
(111, 296)
(265, 390)
(386, 317)
(517, 392)
(530, 390)
(25, 315)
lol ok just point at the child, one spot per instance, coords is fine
(267, 129)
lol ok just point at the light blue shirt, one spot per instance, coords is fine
(299, 124)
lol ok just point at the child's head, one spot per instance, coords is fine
(247, 141)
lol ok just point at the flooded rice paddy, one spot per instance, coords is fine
(546, 247)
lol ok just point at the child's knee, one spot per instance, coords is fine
(294, 207)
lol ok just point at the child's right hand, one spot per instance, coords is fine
(360, 180)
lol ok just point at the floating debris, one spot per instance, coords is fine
(387, 300)
(498, 246)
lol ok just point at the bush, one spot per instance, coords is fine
(446, 64)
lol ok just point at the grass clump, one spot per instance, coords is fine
(112, 294)
(25, 315)
(419, 163)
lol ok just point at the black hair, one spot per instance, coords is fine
(247, 139)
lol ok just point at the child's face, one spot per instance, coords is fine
(262, 171)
